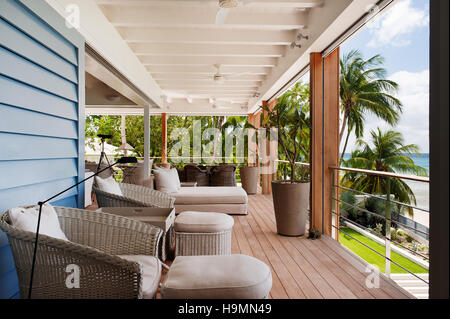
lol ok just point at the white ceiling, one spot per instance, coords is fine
(168, 48)
(179, 43)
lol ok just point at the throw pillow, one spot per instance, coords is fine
(167, 180)
(26, 218)
(108, 185)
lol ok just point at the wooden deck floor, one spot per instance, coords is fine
(303, 268)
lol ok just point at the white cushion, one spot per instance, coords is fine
(167, 179)
(27, 218)
(210, 195)
(108, 185)
(203, 222)
(151, 269)
(217, 277)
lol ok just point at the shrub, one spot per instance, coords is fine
(393, 233)
(409, 239)
(400, 232)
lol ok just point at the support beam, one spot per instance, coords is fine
(139, 16)
(164, 138)
(324, 88)
(206, 36)
(147, 167)
(213, 3)
(205, 69)
(331, 140)
(184, 49)
(316, 102)
(209, 60)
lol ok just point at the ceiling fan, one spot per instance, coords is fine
(225, 6)
(220, 78)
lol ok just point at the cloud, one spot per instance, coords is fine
(414, 95)
(397, 25)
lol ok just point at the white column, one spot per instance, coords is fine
(147, 141)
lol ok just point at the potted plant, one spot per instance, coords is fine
(291, 195)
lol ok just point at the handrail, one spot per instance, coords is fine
(383, 174)
(387, 218)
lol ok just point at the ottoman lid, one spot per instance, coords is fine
(217, 277)
(202, 222)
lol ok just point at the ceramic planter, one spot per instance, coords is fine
(291, 202)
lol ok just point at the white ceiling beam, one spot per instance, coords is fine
(214, 3)
(193, 60)
(176, 49)
(207, 36)
(205, 70)
(207, 82)
(137, 16)
(218, 91)
(188, 77)
(226, 86)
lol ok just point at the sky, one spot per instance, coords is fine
(401, 36)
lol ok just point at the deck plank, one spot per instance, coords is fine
(323, 263)
(303, 268)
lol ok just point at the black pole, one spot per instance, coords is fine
(121, 160)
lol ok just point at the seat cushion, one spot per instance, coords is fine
(203, 222)
(210, 195)
(217, 277)
(151, 267)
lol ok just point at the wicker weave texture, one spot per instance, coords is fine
(196, 244)
(95, 240)
(134, 196)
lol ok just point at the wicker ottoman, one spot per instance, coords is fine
(217, 277)
(200, 233)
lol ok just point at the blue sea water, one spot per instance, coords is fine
(421, 190)
(422, 159)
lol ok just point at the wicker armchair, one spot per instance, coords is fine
(95, 240)
(134, 196)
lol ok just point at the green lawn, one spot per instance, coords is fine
(372, 257)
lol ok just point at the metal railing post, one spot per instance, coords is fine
(334, 219)
(388, 228)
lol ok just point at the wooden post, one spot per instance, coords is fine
(316, 81)
(324, 88)
(331, 139)
(164, 138)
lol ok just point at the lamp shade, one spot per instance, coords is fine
(125, 147)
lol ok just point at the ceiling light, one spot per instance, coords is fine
(300, 36)
(189, 99)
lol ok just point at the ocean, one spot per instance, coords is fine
(421, 190)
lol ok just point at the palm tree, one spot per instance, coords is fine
(364, 89)
(388, 154)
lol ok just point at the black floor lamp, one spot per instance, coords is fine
(122, 160)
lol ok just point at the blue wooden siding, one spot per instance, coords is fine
(41, 114)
